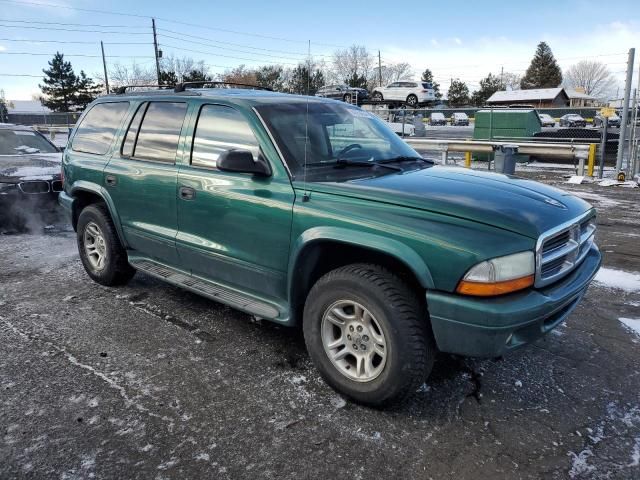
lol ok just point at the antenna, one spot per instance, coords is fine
(305, 195)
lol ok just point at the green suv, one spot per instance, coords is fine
(304, 210)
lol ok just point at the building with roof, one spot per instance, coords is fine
(26, 106)
(535, 97)
(578, 98)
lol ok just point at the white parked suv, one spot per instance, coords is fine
(412, 93)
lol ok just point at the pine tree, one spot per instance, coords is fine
(196, 76)
(60, 85)
(303, 84)
(458, 93)
(271, 76)
(488, 86)
(357, 81)
(168, 77)
(87, 91)
(427, 76)
(544, 71)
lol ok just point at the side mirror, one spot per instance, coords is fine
(241, 161)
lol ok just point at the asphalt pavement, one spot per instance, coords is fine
(150, 381)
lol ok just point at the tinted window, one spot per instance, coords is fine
(130, 139)
(160, 131)
(220, 129)
(393, 85)
(97, 129)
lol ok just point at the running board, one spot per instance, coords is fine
(206, 288)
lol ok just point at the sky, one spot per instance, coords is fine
(465, 40)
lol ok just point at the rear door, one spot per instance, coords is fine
(234, 228)
(142, 176)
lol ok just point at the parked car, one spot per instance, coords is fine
(459, 119)
(411, 93)
(547, 120)
(308, 211)
(613, 121)
(29, 174)
(437, 118)
(572, 120)
(343, 92)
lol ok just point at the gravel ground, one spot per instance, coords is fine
(149, 381)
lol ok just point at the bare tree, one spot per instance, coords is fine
(594, 77)
(240, 74)
(134, 74)
(510, 80)
(353, 63)
(183, 66)
(390, 73)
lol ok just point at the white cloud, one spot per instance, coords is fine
(2, 48)
(472, 61)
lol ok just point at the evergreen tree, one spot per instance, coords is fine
(60, 85)
(458, 93)
(87, 91)
(356, 81)
(271, 76)
(488, 86)
(427, 76)
(304, 84)
(4, 112)
(544, 71)
(168, 77)
(196, 76)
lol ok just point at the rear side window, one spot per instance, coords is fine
(130, 139)
(159, 133)
(220, 129)
(98, 128)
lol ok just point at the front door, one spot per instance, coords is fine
(234, 228)
(141, 179)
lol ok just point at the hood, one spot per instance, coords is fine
(511, 203)
(37, 166)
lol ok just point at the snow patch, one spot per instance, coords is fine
(635, 455)
(601, 200)
(618, 279)
(580, 465)
(632, 324)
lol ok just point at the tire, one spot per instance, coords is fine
(395, 314)
(346, 98)
(377, 97)
(412, 100)
(97, 234)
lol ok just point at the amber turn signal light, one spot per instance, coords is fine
(479, 289)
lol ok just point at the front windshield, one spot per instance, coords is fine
(24, 142)
(328, 134)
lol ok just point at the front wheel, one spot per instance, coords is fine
(367, 332)
(412, 101)
(377, 97)
(102, 255)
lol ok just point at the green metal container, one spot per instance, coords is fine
(505, 124)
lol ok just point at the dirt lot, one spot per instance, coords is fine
(148, 381)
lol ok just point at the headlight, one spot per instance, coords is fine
(499, 275)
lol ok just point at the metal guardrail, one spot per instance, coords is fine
(581, 153)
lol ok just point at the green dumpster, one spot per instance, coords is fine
(506, 125)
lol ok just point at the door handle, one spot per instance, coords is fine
(110, 180)
(187, 193)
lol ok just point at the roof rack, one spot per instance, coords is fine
(181, 87)
(123, 89)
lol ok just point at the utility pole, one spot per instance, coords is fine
(104, 65)
(625, 111)
(379, 68)
(501, 77)
(155, 48)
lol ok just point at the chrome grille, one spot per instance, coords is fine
(561, 249)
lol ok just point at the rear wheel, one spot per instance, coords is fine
(347, 98)
(367, 333)
(102, 255)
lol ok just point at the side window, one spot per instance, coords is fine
(393, 85)
(160, 132)
(220, 129)
(130, 138)
(98, 128)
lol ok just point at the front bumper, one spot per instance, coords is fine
(490, 327)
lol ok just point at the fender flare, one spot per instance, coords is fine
(84, 186)
(388, 246)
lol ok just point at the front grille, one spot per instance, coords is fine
(562, 249)
(34, 187)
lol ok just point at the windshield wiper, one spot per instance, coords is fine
(405, 158)
(343, 162)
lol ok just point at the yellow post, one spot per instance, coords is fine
(592, 159)
(467, 159)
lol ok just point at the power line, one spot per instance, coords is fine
(70, 42)
(206, 27)
(70, 24)
(221, 55)
(73, 29)
(73, 55)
